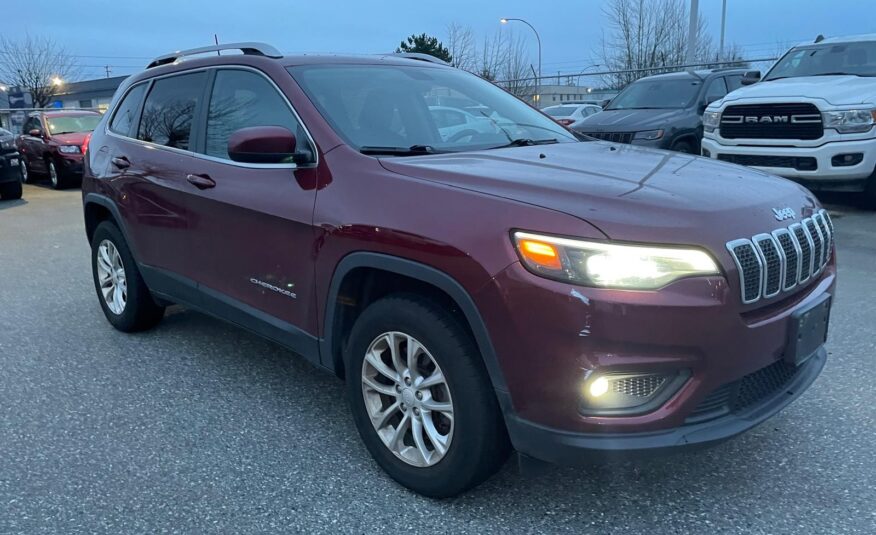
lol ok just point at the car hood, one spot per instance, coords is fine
(630, 193)
(73, 138)
(629, 120)
(835, 90)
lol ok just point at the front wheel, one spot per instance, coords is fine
(421, 397)
(55, 178)
(869, 195)
(10, 191)
(124, 297)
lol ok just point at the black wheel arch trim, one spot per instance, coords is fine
(330, 356)
(109, 204)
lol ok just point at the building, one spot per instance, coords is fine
(90, 94)
(554, 95)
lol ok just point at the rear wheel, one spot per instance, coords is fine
(421, 397)
(10, 191)
(124, 297)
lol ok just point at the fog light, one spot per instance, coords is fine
(846, 160)
(627, 393)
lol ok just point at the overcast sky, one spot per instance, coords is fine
(125, 33)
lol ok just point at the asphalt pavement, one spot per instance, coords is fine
(199, 427)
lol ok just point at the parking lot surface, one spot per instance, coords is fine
(199, 427)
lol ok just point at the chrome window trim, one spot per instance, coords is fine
(175, 150)
(811, 244)
(799, 251)
(736, 243)
(765, 265)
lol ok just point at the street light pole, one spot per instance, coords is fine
(692, 31)
(723, 24)
(538, 39)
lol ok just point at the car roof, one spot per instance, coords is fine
(701, 74)
(864, 37)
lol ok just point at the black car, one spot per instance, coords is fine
(663, 111)
(10, 167)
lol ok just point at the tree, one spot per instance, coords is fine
(36, 64)
(461, 46)
(425, 44)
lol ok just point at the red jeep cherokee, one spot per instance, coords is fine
(510, 286)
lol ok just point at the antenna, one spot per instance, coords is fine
(216, 40)
(819, 39)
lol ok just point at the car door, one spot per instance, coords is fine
(252, 222)
(33, 147)
(149, 156)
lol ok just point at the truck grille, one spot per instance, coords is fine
(770, 264)
(800, 163)
(772, 121)
(743, 393)
(617, 137)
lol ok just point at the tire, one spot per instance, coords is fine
(25, 172)
(138, 310)
(10, 191)
(868, 199)
(476, 440)
(57, 181)
(684, 146)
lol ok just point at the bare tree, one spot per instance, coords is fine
(35, 64)
(647, 35)
(461, 44)
(516, 67)
(492, 57)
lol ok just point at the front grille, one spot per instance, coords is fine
(642, 386)
(772, 121)
(771, 263)
(800, 163)
(741, 394)
(617, 137)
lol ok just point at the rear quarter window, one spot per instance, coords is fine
(126, 112)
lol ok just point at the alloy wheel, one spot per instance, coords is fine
(407, 399)
(111, 276)
(53, 174)
(23, 169)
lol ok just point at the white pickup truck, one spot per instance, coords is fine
(810, 118)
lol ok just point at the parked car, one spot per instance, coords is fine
(520, 288)
(810, 119)
(454, 124)
(662, 111)
(10, 167)
(53, 142)
(571, 115)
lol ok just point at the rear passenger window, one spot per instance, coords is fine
(126, 111)
(241, 99)
(169, 110)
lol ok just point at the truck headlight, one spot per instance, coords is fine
(711, 119)
(610, 265)
(849, 121)
(648, 135)
(69, 149)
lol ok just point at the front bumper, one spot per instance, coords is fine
(826, 175)
(70, 164)
(563, 447)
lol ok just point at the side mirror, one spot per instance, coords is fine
(265, 144)
(35, 132)
(751, 77)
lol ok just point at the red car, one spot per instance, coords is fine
(53, 144)
(478, 291)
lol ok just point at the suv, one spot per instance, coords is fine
(810, 119)
(53, 143)
(663, 111)
(512, 288)
(10, 167)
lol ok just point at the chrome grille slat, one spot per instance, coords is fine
(770, 264)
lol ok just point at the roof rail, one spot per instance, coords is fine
(419, 56)
(249, 49)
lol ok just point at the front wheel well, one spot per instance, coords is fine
(95, 214)
(364, 285)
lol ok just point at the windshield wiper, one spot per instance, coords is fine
(837, 74)
(413, 150)
(526, 142)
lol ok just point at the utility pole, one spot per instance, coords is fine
(723, 24)
(108, 70)
(692, 32)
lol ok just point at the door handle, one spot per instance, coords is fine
(201, 181)
(121, 162)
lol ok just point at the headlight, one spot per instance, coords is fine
(69, 149)
(711, 120)
(610, 265)
(649, 135)
(849, 121)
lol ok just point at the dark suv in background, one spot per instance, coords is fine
(664, 111)
(10, 167)
(52, 143)
(478, 290)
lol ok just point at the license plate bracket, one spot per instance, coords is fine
(808, 330)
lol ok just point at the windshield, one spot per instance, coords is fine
(72, 123)
(858, 59)
(382, 106)
(560, 111)
(657, 94)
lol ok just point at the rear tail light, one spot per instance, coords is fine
(565, 122)
(85, 143)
